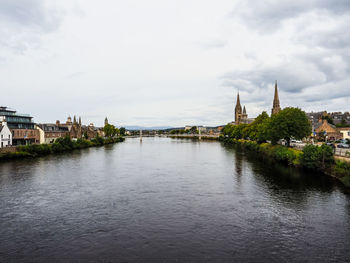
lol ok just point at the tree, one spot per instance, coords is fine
(329, 119)
(315, 157)
(257, 129)
(194, 130)
(289, 123)
(122, 131)
(109, 130)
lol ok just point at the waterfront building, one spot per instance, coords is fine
(74, 127)
(20, 125)
(90, 131)
(50, 132)
(5, 135)
(276, 102)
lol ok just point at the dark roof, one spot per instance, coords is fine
(48, 127)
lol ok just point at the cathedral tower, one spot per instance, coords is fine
(276, 102)
(238, 111)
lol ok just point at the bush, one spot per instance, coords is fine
(317, 158)
(35, 149)
(283, 154)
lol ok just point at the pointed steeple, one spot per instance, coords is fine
(75, 119)
(276, 102)
(238, 103)
(79, 120)
(238, 110)
(106, 121)
(244, 110)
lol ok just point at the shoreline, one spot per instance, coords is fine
(292, 158)
(61, 145)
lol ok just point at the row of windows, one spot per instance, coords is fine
(23, 133)
(18, 119)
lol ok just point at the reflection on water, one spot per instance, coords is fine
(168, 200)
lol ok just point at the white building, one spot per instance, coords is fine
(345, 132)
(5, 135)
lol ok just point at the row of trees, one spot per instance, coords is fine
(288, 123)
(193, 130)
(111, 131)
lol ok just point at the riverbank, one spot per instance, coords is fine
(194, 137)
(61, 145)
(320, 159)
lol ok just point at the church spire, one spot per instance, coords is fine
(238, 110)
(244, 110)
(238, 104)
(276, 102)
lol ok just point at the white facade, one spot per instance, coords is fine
(5, 135)
(41, 134)
(346, 133)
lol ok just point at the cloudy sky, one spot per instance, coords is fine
(162, 62)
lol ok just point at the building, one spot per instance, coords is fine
(89, 131)
(345, 132)
(329, 130)
(241, 116)
(5, 135)
(74, 127)
(276, 102)
(50, 132)
(20, 125)
(106, 121)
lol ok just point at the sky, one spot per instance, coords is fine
(172, 63)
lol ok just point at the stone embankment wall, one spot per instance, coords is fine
(8, 149)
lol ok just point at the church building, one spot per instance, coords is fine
(276, 102)
(241, 116)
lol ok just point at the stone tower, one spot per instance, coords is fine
(238, 111)
(106, 121)
(244, 115)
(276, 102)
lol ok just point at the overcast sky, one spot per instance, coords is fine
(162, 62)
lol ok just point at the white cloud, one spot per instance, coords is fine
(172, 62)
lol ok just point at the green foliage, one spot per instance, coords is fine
(37, 149)
(122, 131)
(193, 130)
(60, 145)
(110, 130)
(329, 119)
(98, 141)
(288, 123)
(342, 168)
(317, 157)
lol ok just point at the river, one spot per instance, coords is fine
(168, 200)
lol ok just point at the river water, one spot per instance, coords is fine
(168, 200)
